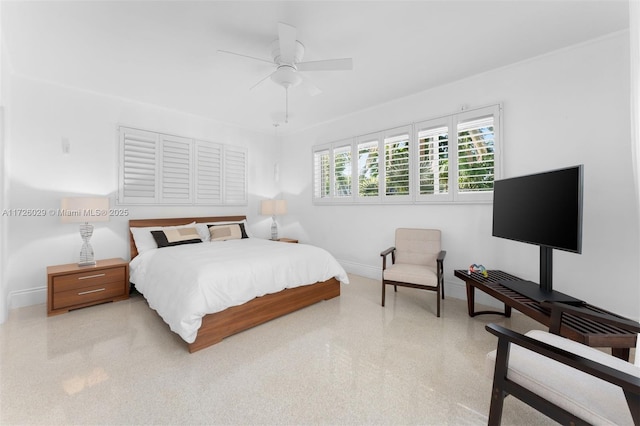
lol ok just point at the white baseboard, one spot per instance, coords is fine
(453, 286)
(28, 297)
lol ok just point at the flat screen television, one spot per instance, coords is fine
(544, 209)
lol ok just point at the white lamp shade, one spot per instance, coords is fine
(273, 207)
(84, 209)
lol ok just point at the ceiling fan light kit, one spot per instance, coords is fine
(287, 54)
(286, 76)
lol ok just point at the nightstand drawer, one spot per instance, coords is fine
(83, 280)
(89, 294)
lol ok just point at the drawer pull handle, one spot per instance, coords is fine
(91, 291)
(91, 276)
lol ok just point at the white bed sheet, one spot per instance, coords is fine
(186, 282)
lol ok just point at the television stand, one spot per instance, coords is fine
(585, 331)
(534, 292)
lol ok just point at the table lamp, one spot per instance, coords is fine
(273, 208)
(84, 210)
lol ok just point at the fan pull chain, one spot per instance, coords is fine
(286, 101)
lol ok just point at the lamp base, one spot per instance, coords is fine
(86, 252)
(274, 229)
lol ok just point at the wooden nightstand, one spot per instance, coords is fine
(71, 286)
(287, 240)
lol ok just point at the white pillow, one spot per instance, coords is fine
(145, 241)
(203, 228)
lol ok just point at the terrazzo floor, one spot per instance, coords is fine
(346, 361)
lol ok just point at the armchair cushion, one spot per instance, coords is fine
(417, 246)
(586, 396)
(408, 273)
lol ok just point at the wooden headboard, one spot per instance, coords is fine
(143, 223)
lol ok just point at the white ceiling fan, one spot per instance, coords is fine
(287, 53)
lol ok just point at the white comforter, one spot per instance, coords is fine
(186, 282)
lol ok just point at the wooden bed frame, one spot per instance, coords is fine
(219, 325)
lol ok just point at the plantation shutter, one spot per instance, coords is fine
(342, 171)
(139, 167)
(476, 161)
(368, 167)
(396, 163)
(235, 175)
(208, 173)
(159, 169)
(176, 178)
(321, 174)
(433, 163)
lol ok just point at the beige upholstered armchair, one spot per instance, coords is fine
(569, 382)
(417, 261)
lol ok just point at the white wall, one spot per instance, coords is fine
(39, 174)
(634, 30)
(4, 72)
(562, 109)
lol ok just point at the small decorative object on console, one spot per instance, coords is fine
(478, 268)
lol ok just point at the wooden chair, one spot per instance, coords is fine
(417, 261)
(569, 382)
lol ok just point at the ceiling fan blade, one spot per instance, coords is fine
(345, 64)
(246, 56)
(261, 81)
(310, 85)
(287, 40)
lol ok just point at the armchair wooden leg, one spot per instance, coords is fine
(383, 286)
(633, 400)
(395, 287)
(438, 301)
(499, 376)
(495, 409)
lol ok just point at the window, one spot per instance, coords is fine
(396, 164)
(449, 159)
(321, 174)
(342, 171)
(235, 175)
(176, 184)
(208, 173)
(476, 160)
(368, 167)
(163, 169)
(433, 160)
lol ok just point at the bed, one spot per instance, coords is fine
(240, 288)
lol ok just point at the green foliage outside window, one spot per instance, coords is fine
(476, 160)
(397, 168)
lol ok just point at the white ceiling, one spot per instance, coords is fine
(165, 53)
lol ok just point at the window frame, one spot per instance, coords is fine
(317, 192)
(347, 146)
(465, 116)
(233, 175)
(437, 123)
(390, 134)
(413, 130)
(371, 138)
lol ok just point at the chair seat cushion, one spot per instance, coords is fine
(593, 400)
(414, 274)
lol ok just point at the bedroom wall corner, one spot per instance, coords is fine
(39, 173)
(5, 73)
(558, 94)
(634, 30)
(4, 307)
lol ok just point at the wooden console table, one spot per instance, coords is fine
(585, 331)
